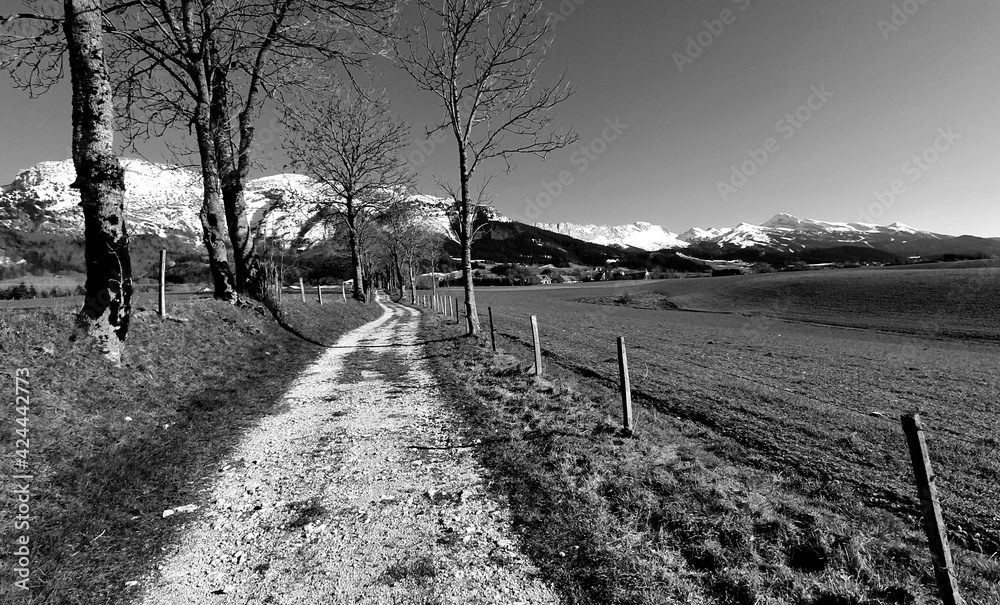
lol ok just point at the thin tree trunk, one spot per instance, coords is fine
(213, 212)
(352, 240)
(413, 283)
(249, 271)
(100, 179)
(465, 238)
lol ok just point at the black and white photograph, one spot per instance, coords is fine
(513, 302)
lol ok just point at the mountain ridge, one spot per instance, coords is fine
(164, 201)
(781, 232)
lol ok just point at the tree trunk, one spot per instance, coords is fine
(101, 180)
(465, 239)
(213, 212)
(413, 283)
(352, 240)
(250, 279)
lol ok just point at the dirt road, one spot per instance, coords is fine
(357, 492)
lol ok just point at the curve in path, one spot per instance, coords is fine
(352, 494)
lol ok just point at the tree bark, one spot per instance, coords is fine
(352, 240)
(100, 179)
(250, 279)
(465, 238)
(213, 211)
(413, 283)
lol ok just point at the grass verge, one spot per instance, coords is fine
(667, 516)
(112, 448)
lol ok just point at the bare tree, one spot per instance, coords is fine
(408, 242)
(166, 64)
(354, 30)
(213, 65)
(99, 176)
(351, 144)
(481, 58)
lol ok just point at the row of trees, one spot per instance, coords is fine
(211, 66)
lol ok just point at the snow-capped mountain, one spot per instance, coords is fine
(782, 232)
(645, 236)
(697, 234)
(158, 200)
(165, 200)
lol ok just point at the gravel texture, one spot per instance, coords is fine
(356, 492)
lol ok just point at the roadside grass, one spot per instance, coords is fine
(112, 448)
(670, 515)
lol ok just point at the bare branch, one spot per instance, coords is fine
(481, 59)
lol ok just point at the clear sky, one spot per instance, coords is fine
(726, 111)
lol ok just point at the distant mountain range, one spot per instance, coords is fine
(163, 201)
(783, 233)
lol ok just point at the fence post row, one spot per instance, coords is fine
(944, 570)
(625, 386)
(163, 283)
(538, 345)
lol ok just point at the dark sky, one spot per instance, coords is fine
(726, 111)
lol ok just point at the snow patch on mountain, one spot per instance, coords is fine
(645, 236)
(166, 200)
(697, 234)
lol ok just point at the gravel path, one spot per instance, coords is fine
(342, 498)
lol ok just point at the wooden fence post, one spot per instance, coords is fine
(937, 535)
(302, 289)
(493, 333)
(458, 316)
(319, 291)
(163, 283)
(538, 345)
(343, 291)
(625, 386)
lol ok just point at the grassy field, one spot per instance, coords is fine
(799, 416)
(942, 303)
(112, 448)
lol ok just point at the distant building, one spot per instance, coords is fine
(621, 273)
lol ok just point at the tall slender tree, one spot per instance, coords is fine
(352, 145)
(481, 58)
